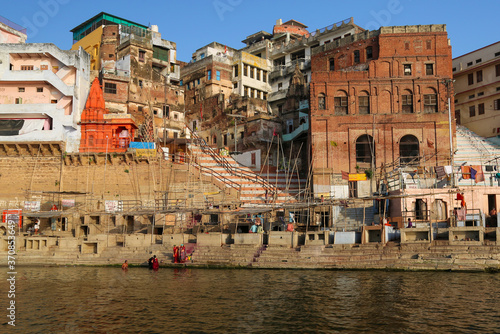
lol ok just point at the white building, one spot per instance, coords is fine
(43, 91)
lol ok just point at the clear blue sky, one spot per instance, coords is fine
(193, 24)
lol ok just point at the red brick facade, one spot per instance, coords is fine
(385, 84)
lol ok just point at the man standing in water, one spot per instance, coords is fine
(125, 265)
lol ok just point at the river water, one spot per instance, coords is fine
(109, 300)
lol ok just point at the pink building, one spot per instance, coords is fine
(42, 93)
(11, 32)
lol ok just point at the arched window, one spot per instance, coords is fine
(430, 100)
(407, 102)
(364, 103)
(369, 52)
(321, 101)
(409, 149)
(332, 64)
(340, 102)
(365, 149)
(356, 56)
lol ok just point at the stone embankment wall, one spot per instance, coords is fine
(106, 249)
(25, 178)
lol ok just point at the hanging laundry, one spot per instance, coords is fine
(448, 170)
(461, 214)
(480, 177)
(479, 173)
(465, 172)
(473, 173)
(440, 172)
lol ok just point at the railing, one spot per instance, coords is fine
(301, 128)
(234, 170)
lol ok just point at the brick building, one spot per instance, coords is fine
(379, 97)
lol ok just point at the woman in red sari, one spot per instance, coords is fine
(156, 264)
(176, 254)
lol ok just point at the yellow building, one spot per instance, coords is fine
(477, 90)
(92, 44)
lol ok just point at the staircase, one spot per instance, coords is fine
(226, 255)
(472, 149)
(251, 185)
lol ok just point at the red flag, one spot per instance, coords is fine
(225, 48)
(345, 175)
(201, 111)
(430, 143)
(274, 132)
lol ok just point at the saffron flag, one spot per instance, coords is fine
(430, 143)
(345, 175)
(201, 111)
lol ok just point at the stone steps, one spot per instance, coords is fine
(251, 187)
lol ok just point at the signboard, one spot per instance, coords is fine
(357, 177)
(33, 206)
(145, 153)
(69, 203)
(113, 206)
(14, 214)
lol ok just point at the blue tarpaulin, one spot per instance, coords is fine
(141, 145)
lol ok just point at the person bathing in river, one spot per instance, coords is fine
(156, 264)
(175, 254)
(125, 265)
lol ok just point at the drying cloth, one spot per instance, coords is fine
(440, 173)
(473, 173)
(465, 172)
(479, 173)
(461, 214)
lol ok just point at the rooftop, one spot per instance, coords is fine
(13, 25)
(294, 23)
(102, 18)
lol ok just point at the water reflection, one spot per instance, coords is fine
(109, 300)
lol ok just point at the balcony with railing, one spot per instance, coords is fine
(280, 71)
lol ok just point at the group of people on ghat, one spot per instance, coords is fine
(179, 254)
(153, 262)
